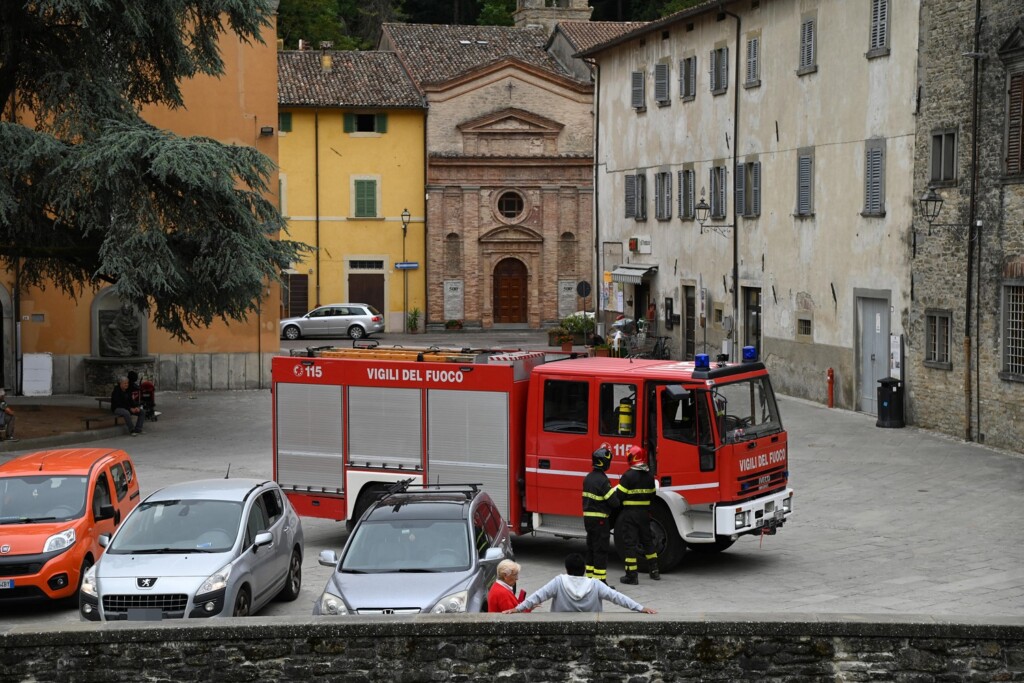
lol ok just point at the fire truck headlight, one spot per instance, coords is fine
(787, 504)
(456, 602)
(741, 519)
(331, 605)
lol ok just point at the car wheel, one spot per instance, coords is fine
(293, 583)
(291, 333)
(243, 603)
(356, 332)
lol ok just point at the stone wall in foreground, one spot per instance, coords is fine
(521, 648)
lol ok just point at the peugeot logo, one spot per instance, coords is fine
(4, 549)
(145, 582)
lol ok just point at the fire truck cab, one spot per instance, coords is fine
(348, 423)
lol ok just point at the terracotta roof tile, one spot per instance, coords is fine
(435, 53)
(356, 79)
(584, 35)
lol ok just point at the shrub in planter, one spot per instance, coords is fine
(453, 324)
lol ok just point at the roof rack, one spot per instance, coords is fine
(403, 486)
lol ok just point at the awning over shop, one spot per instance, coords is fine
(633, 273)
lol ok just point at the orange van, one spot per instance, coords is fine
(53, 507)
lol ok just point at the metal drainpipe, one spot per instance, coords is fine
(594, 206)
(736, 209)
(316, 193)
(973, 232)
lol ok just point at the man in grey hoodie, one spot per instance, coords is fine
(574, 592)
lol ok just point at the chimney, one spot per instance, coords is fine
(326, 63)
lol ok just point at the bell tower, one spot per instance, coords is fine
(546, 13)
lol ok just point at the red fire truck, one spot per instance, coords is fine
(348, 423)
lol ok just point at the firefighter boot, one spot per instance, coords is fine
(655, 574)
(630, 579)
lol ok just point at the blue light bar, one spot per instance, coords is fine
(702, 361)
(749, 354)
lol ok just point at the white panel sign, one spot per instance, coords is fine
(453, 300)
(566, 297)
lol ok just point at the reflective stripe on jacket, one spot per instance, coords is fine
(599, 496)
(636, 488)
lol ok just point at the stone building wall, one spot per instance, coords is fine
(538, 647)
(936, 395)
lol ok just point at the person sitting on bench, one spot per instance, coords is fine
(124, 406)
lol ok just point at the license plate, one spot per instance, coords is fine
(145, 614)
(6, 583)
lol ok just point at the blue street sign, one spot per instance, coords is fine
(407, 265)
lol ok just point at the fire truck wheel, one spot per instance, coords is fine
(667, 543)
(721, 543)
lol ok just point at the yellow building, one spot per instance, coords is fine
(47, 326)
(351, 182)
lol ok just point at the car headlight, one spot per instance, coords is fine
(456, 602)
(89, 582)
(332, 605)
(61, 541)
(217, 581)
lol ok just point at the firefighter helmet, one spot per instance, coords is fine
(602, 457)
(637, 456)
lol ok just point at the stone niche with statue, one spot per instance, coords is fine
(119, 345)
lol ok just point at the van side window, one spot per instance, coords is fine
(566, 406)
(120, 481)
(101, 494)
(617, 408)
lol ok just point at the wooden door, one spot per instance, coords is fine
(366, 288)
(510, 288)
(297, 300)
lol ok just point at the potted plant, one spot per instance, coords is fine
(413, 320)
(580, 325)
(453, 324)
(602, 350)
(565, 339)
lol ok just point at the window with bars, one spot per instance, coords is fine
(719, 70)
(938, 335)
(753, 78)
(636, 91)
(718, 195)
(805, 182)
(874, 178)
(688, 78)
(1013, 329)
(686, 194)
(944, 157)
(636, 197)
(661, 86)
(663, 196)
(879, 34)
(365, 265)
(808, 50)
(748, 188)
(1015, 125)
(365, 195)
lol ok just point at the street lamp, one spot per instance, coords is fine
(702, 211)
(931, 205)
(405, 273)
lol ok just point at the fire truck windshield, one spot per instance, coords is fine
(746, 410)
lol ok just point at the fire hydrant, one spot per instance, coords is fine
(831, 375)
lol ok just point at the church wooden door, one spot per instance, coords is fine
(510, 288)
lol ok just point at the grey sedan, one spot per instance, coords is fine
(335, 320)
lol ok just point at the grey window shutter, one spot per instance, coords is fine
(879, 23)
(1015, 126)
(873, 184)
(723, 81)
(713, 69)
(693, 75)
(641, 197)
(667, 199)
(752, 49)
(691, 193)
(741, 179)
(722, 193)
(661, 82)
(681, 206)
(803, 185)
(630, 196)
(807, 43)
(638, 90)
(755, 188)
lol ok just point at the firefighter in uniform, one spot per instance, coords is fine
(636, 491)
(599, 502)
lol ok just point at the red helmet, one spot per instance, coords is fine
(637, 456)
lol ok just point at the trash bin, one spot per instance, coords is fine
(890, 403)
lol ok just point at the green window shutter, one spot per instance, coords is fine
(350, 123)
(284, 122)
(366, 198)
(381, 124)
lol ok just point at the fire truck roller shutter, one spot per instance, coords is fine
(385, 427)
(468, 441)
(309, 436)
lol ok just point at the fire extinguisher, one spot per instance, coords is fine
(625, 412)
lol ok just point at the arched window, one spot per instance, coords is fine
(567, 254)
